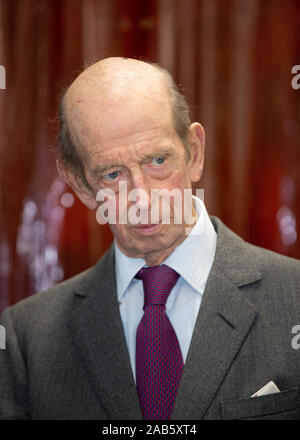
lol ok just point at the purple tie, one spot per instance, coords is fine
(159, 362)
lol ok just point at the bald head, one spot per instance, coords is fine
(113, 89)
(118, 77)
(116, 94)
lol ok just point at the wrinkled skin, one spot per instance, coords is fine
(119, 114)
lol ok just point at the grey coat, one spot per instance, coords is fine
(66, 354)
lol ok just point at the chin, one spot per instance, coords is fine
(152, 245)
(138, 247)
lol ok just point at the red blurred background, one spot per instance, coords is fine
(233, 60)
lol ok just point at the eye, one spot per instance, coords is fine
(158, 160)
(111, 176)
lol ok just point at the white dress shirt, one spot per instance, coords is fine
(192, 260)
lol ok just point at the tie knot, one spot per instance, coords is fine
(158, 281)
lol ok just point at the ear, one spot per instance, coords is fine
(197, 144)
(85, 194)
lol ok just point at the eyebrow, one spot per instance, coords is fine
(98, 169)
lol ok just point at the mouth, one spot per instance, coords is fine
(147, 229)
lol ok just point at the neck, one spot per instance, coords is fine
(156, 258)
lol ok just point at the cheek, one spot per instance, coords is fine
(180, 177)
(180, 183)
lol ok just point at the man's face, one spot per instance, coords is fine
(133, 141)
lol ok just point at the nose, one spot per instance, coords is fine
(139, 192)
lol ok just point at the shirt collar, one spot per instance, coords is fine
(126, 268)
(192, 259)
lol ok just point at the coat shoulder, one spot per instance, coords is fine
(238, 257)
(280, 272)
(273, 260)
(55, 295)
(54, 304)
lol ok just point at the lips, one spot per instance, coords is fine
(145, 226)
(146, 229)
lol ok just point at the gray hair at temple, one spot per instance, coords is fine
(69, 155)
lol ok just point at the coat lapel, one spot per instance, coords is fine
(99, 336)
(224, 320)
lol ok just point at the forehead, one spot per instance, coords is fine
(128, 152)
(111, 118)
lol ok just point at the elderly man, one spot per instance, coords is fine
(179, 319)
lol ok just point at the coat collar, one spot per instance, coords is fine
(234, 256)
